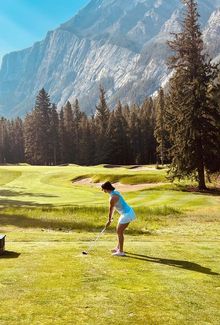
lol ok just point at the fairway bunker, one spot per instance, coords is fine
(94, 242)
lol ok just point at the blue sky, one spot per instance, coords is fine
(23, 22)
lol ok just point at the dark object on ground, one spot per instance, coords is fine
(2, 244)
(84, 253)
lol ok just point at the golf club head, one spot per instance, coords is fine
(85, 253)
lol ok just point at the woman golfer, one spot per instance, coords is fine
(126, 215)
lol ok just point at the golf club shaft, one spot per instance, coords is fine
(94, 242)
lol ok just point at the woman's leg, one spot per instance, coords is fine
(120, 232)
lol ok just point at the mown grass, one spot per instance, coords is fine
(158, 283)
(171, 274)
(7, 176)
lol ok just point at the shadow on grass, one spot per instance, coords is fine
(112, 166)
(22, 221)
(42, 223)
(196, 191)
(10, 254)
(10, 193)
(7, 203)
(135, 166)
(211, 191)
(175, 263)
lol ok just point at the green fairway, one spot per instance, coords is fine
(171, 274)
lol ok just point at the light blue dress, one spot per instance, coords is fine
(126, 212)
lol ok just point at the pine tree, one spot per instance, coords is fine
(37, 131)
(30, 139)
(61, 136)
(147, 127)
(92, 140)
(127, 117)
(19, 140)
(15, 141)
(190, 119)
(213, 160)
(102, 111)
(8, 139)
(86, 141)
(2, 140)
(135, 135)
(54, 135)
(68, 133)
(42, 127)
(101, 119)
(117, 137)
(160, 132)
(77, 116)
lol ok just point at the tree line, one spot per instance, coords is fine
(179, 126)
(49, 137)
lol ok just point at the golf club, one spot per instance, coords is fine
(94, 242)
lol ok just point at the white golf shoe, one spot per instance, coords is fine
(118, 253)
(115, 250)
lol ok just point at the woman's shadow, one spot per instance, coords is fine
(9, 254)
(175, 263)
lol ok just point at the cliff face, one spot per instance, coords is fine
(211, 34)
(121, 44)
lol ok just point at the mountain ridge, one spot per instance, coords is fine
(104, 44)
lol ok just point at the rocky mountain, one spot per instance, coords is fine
(118, 43)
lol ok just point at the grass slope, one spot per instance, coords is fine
(170, 274)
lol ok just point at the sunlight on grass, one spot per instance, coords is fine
(7, 176)
(46, 275)
(172, 249)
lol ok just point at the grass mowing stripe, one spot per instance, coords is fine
(131, 283)
(172, 282)
(8, 176)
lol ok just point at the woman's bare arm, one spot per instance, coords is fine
(112, 203)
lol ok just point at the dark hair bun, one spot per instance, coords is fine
(108, 186)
